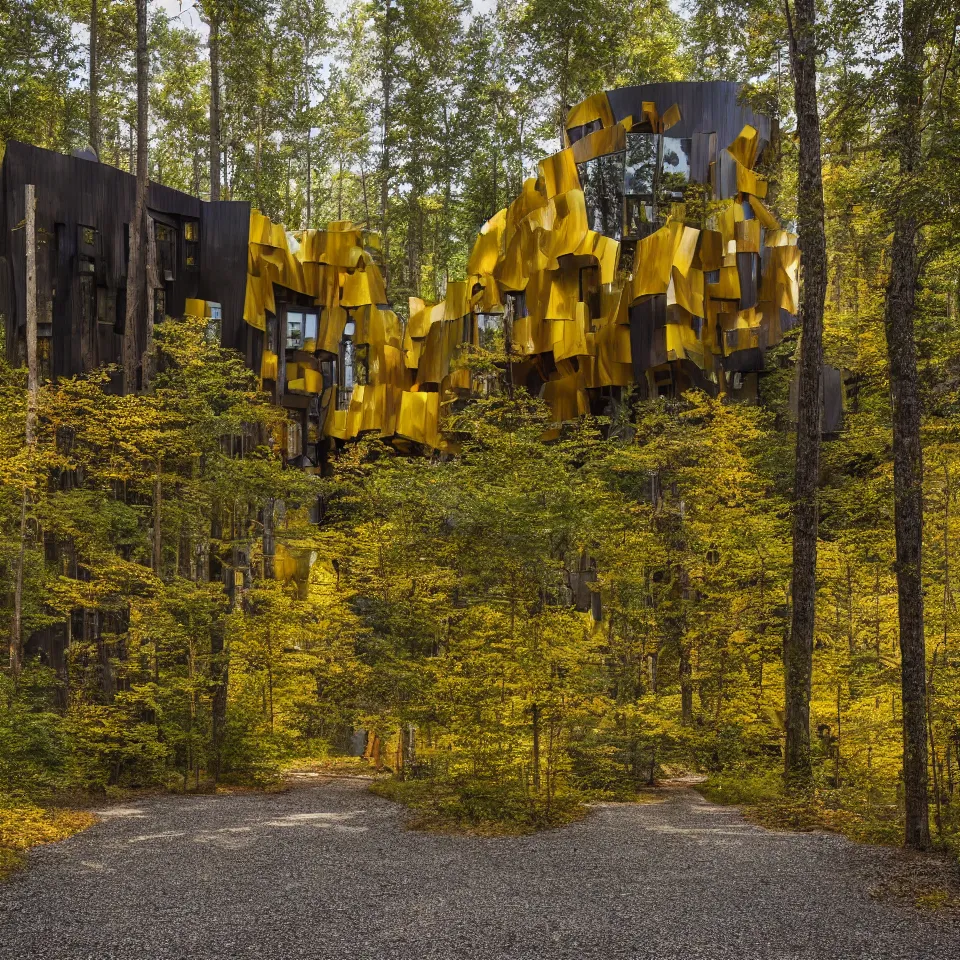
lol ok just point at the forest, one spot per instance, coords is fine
(547, 615)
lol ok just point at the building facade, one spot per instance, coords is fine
(642, 260)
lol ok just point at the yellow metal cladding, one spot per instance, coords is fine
(538, 246)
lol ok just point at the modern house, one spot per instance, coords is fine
(641, 260)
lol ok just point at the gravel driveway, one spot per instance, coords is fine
(328, 871)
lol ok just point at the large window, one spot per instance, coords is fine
(487, 326)
(519, 304)
(346, 366)
(675, 169)
(602, 180)
(639, 181)
(165, 240)
(301, 330)
(583, 130)
(641, 165)
(656, 174)
(590, 292)
(191, 244)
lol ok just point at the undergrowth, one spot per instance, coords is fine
(478, 808)
(24, 824)
(845, 811)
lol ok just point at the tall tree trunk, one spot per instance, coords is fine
(152, 283)
(269, 543)
(363, 185)
(136, 268)
(536, 748)
(386, 81)
(905, 398)
(686, 684)
(307, 54)
(798, 647)
(157, 561)
(214, 570)
(30, 241)
(94, 80)
(308, 218)
(213, 45)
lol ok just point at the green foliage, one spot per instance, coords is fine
(138, 510)
(449, 595)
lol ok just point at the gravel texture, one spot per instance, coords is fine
(329, 871)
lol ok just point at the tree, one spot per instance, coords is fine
(917, 19)
(798, 647)
(94, 79)
(136, 306)
(212, 11)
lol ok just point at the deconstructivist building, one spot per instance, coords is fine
(641, 257)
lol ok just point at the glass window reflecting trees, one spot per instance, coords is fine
(583, 130)
(639, 182)
(353, 364)
(488, 325)
(346, 366)
(602, 180)
(675, 169)
(656, 174)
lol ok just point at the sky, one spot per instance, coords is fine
(186, 11)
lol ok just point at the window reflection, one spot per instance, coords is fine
(641, 165)
(602, 180)
(675, 171)
(583, 130)
(346, 368)
(294, 330)
(656, 174)
(301, 330)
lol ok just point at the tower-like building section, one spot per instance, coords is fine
(643, 256)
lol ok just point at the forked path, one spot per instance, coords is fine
(328, 871)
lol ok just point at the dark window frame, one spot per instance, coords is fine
(191, 246)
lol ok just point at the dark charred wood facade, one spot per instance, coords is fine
(83, 214)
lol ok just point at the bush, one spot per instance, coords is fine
(479, 806)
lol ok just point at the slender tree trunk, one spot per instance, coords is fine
(905, 399)
(686, 685)
(308, 219)
(386, 80)
(908, 521)
(157, 515)
(798, 647)
(136, 268)
(94, 80)
(152, 283)
(30, 241)
(363, 185)
(219, 658)
(269, 543)
(308, 107)
(536, 749)
(213, 45)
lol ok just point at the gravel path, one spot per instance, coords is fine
(328, 871)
